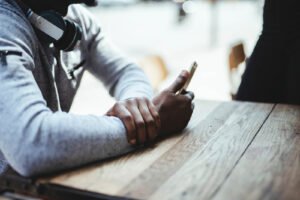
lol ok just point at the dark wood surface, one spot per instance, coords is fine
(230, 150)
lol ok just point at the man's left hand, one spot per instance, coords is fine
(140, 118)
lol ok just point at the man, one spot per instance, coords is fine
(38, 82)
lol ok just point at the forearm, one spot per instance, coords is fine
(122, 78)
(35, 140)
(132, 83)
(51, 142)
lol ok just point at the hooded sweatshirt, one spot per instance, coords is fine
(37, 134)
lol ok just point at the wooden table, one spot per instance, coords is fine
(230, 150)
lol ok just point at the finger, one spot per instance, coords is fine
(149, 120)
(139, 122)
(154, 114)
(193, 106)
(129, 124)
(191, 110)
(189, 94)
(183, 100)
(109, 112)
(179, 82)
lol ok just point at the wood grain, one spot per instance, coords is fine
(230, 150)
(172, 160)
(202, 175)
(270, 169)
(110, 177)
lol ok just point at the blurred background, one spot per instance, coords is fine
(165, 37)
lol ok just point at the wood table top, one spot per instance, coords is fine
(230, 150)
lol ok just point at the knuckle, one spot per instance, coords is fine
(130, 101)
(188, 99)
(156, 115)
(139, 99)
(190, 95)
(126, 117)
(145, 99)
(181, 78)
(152, 106)
(142, 100)
(140, 124)
(150, 122)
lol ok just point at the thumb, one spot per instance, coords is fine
(179, 82)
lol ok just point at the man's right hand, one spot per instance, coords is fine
(175, 110)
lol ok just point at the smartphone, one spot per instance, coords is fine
(192, 72)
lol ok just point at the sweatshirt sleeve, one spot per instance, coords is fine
(122, 77)
(33, 139)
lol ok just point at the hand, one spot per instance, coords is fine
(140, 118)
(175, 110)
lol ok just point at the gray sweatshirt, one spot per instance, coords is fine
(37, 134)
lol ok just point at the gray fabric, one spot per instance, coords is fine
(3, 164)
(37, 134)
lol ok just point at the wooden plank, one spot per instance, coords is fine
(110, 177)
(172, 160)
(209, 166)
(270, 169)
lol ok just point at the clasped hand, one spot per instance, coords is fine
(167, 113)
